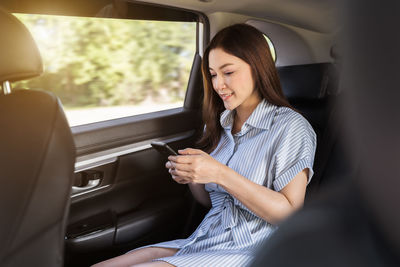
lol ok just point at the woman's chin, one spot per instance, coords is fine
(229, 106)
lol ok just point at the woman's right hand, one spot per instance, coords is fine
(180, 179)
(195, 166)
(198, 190)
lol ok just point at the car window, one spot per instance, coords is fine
(107, 68)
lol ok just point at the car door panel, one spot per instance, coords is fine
(136, 201)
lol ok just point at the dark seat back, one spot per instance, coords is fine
(312, 90)
(37, 156)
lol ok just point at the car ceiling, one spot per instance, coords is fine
(315, 15)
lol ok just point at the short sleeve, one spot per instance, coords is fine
(295, 152)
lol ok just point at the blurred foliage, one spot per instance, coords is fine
(104, 62)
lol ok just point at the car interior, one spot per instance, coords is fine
(81, 194)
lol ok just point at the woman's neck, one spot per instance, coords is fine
(242, 113)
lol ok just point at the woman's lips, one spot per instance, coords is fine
(225, 96)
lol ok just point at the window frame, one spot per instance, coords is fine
(97, 136)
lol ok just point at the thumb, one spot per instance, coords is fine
(190, 151)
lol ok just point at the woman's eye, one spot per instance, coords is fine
(228, 73)
(213, 76)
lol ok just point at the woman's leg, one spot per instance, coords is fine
(141, 255)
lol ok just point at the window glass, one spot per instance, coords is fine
(105, 68)
(271, 47)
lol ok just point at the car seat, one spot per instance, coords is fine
(37, 155)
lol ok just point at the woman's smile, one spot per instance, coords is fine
(226, 96)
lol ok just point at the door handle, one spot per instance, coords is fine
(86, 180)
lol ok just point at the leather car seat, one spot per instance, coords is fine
(37, 155)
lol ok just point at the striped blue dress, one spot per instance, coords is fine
(274, 144)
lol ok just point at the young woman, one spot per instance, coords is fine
(260, 161)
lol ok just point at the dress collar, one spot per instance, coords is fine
(261, 117)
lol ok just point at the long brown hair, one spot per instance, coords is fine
(248, 44)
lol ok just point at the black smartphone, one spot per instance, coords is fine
(164, 149)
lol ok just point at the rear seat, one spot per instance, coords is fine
(309, 88)
(312, 90)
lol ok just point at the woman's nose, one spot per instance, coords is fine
(219, 83)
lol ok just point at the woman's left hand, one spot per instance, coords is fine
(194, 166)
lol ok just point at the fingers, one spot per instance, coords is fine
(181, 159)
(190, 151)
(187, 155)
(181, 179)
(180, 176)
(179, 166)
(180, 173)
(168, 165)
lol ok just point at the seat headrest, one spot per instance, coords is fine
(307, 82)
(19, 56)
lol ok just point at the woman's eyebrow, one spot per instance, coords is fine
(223, 66)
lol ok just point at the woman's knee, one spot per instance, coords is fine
(158, 252)
(141, 255)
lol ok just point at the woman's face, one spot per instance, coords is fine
(232, 80)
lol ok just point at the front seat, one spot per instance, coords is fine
(37, 155)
